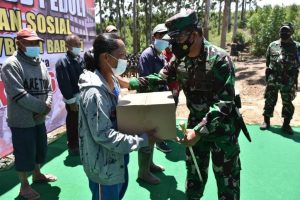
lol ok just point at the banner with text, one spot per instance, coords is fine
(53, 20)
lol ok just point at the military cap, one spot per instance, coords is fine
(181, 21)
(287, 25)
(160, 28)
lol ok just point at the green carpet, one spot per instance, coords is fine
(270, 171)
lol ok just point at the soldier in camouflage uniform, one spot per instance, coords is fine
(206, 75)
(281, 75)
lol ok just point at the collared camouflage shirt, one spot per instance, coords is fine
(283, 57)
(208, 84)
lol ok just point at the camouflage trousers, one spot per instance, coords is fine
(226, 166)
(288, 94)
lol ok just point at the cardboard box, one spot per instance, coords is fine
(137, 113)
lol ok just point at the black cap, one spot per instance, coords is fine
(287, 25)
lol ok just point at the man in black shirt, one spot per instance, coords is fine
(68, 70)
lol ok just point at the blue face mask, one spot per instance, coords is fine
(160, 45)
(76, 51)
(32, 51)
(121, 66)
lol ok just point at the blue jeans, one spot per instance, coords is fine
(110, 192)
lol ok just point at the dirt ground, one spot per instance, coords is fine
(250, 82)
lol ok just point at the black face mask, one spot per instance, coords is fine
(285, 36)
(181, 50)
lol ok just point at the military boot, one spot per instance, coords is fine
(266, 124)
(155, 168)
(286, 128)
(144, 173)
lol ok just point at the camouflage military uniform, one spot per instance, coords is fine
(208, 84)
(150, 83)
(282, 73)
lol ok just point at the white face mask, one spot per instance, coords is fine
(32, 51)
(76, 51)
(121, 66)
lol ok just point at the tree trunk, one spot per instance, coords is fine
(250, 1)
(119, 17)
(148, 16)
(206, 19)
(138, 37)
(150, 21)
(219, 20)
(134, 26)
(146, 7)
(124, 19)
(100, 18)
(225, 24)
(229, 17)
(235, 19)
(243, 12)
(178, 6)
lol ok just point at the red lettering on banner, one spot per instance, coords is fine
(53, 81)
(3, 100)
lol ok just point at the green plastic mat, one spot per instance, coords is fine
(270, 170)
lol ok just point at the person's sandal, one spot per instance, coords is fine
(46, 178)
